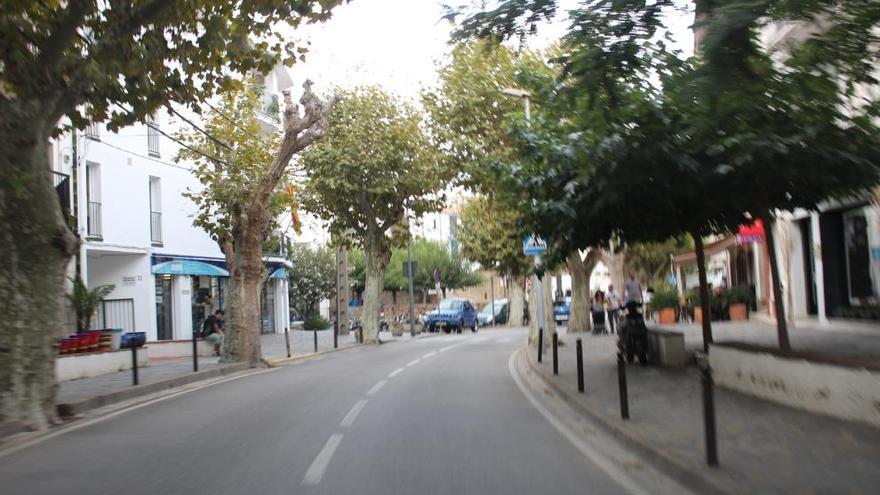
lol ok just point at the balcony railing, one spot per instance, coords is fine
(94, 223)
(156, 227)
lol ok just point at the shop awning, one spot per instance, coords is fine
(690, 257)
(189, 267)
(279, 273)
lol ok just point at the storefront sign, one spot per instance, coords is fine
(751, 233)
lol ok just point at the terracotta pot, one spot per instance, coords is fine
(666, 316)
(739, 312)
(698, 314)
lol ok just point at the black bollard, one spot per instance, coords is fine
(555, 353)
(621, 382)
(134, 364)
(540, 344)
(195, 351)
(315, 332)
(287, 340)
(336, 334)
(580, 365)
(709, 415)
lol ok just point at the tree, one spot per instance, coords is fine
(312, 277)
(428, 255)
(85, 301)
(63, 65)
(243, 174)
(491, 237)
(374, 167)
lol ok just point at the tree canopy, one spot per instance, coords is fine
(312, 277)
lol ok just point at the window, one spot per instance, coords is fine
(93, 198)
(152, 137)
(93, 131)
(155, 211)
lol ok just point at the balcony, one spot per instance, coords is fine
(94, 220)
(156, 228)
(62, 188)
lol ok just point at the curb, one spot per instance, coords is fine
(691, 475)
(69, 409)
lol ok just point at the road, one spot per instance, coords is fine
(439, 415)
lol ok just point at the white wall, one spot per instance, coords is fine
(130, 274)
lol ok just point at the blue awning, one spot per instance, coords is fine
(279, 273)
(189, 267)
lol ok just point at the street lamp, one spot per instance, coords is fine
(409, 275)
(539, 289)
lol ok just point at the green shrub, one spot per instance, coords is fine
(665, 297)
(316, 323)
(738, 295)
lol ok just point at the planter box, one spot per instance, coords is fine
(76, 366)
(823, 386)
(739, 312)
(179, 348)
(666, 316)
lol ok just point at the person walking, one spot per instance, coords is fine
(613, 308)
(632, 290)
(597, 310)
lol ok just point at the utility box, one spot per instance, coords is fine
(666, 348)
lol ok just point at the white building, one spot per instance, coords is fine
(124, 192)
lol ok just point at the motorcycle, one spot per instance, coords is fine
(633, 334)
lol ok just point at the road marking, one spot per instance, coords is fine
(446, 348)
(395, 373)
(600, 460)
(376, 387)
(413, 362)
(319, 465)
(352, 415)
(432, 353)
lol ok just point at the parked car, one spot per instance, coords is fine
(562, 310)
(485, 317)
(452, 314)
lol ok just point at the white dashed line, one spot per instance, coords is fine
(376, 387)
(395, 373)
(319, 465)
(352, 415)
(446, 348)
(432, 353)
(413, 362)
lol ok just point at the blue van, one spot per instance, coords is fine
(452, 314)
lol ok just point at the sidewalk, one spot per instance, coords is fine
(763, 447)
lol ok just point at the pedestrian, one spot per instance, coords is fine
(632, 290)
(597, 310)
(613, 308)
(212, 330)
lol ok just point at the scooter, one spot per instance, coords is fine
(633, 338)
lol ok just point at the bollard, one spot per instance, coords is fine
(316, 339)
(195, 351)
(361, 335)
(540, 344)
(336, 334)
(709, 415)
(555, 353)
(287, 340)
(621, 383)
(134, 364)
(580, 365)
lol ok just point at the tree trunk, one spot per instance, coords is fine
(533, 313)
(242, 328)
(549, 318)
(35, 248)
(704, 291)
(517, 301)
(616, 260)
(779, 305)
(579, 319)
(376, 262)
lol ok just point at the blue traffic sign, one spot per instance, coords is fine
(533, 245)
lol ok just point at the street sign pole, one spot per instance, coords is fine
(409, 273)
(539, 292)
(492, 295)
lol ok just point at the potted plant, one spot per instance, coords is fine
(694, 296)
(85, 301)
(738, 298)
(663, 303)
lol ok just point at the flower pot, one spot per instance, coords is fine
(739, 312)
(698, 314)
(666, 316)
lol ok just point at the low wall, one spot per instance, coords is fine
(178, 348)
(78, 366)
(845, 392)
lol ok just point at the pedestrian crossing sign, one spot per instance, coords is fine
(534, 245)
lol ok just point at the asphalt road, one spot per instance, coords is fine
(440, 415)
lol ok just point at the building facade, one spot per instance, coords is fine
(124, 193)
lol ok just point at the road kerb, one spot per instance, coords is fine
(696, 477)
